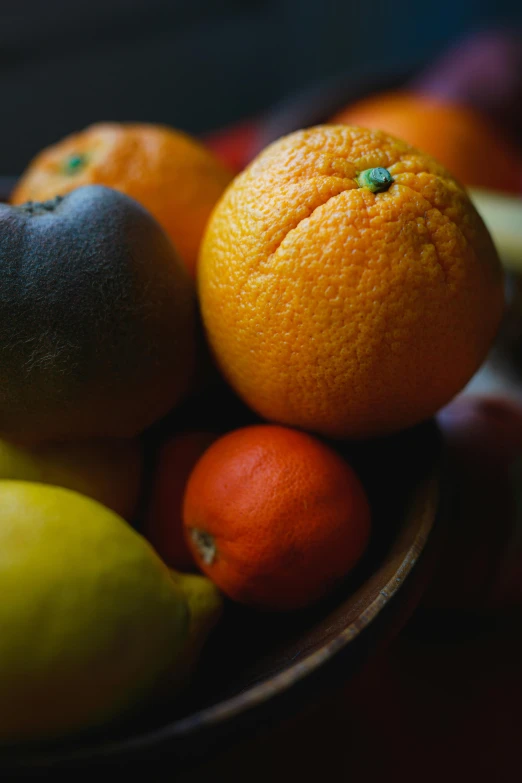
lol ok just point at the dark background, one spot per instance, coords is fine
(448, 710)
(200, 64)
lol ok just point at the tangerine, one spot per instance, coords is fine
(275, 517)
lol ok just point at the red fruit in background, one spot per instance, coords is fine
(484, 438)
(483, 429)
(234, 146)
(164, 525)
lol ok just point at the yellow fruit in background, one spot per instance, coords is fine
(92, 622)
(108, 470)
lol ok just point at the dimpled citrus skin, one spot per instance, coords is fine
(459, 136)
(172, 175)
(288, 517)
(339, 310)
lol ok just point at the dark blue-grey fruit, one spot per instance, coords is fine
(96, 318)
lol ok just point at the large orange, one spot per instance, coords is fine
(337, 309)
(275, 517)
(175, 177)
(459, 137)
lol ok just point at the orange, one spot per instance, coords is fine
(164, 524)
(274, 517)
(172, 175)
(459, 137)
(341, 310)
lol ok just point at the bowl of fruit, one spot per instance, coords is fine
(221, 480)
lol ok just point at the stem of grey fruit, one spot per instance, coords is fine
(205, 544)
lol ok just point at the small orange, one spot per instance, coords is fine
(347, 284)
(164, 524)
(172, 175)
(458, 136)
(275, 517)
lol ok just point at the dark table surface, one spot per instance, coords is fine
(430, 710)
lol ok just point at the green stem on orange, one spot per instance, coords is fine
(377, 180)
(74, 163)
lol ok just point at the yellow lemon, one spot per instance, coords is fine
(93, 622)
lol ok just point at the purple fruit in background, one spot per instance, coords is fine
(480, 562)
(485, 430)
(483, 71)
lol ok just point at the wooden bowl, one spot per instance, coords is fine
(259, 668)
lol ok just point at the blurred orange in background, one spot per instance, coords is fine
(171, 174)
(460, 137)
